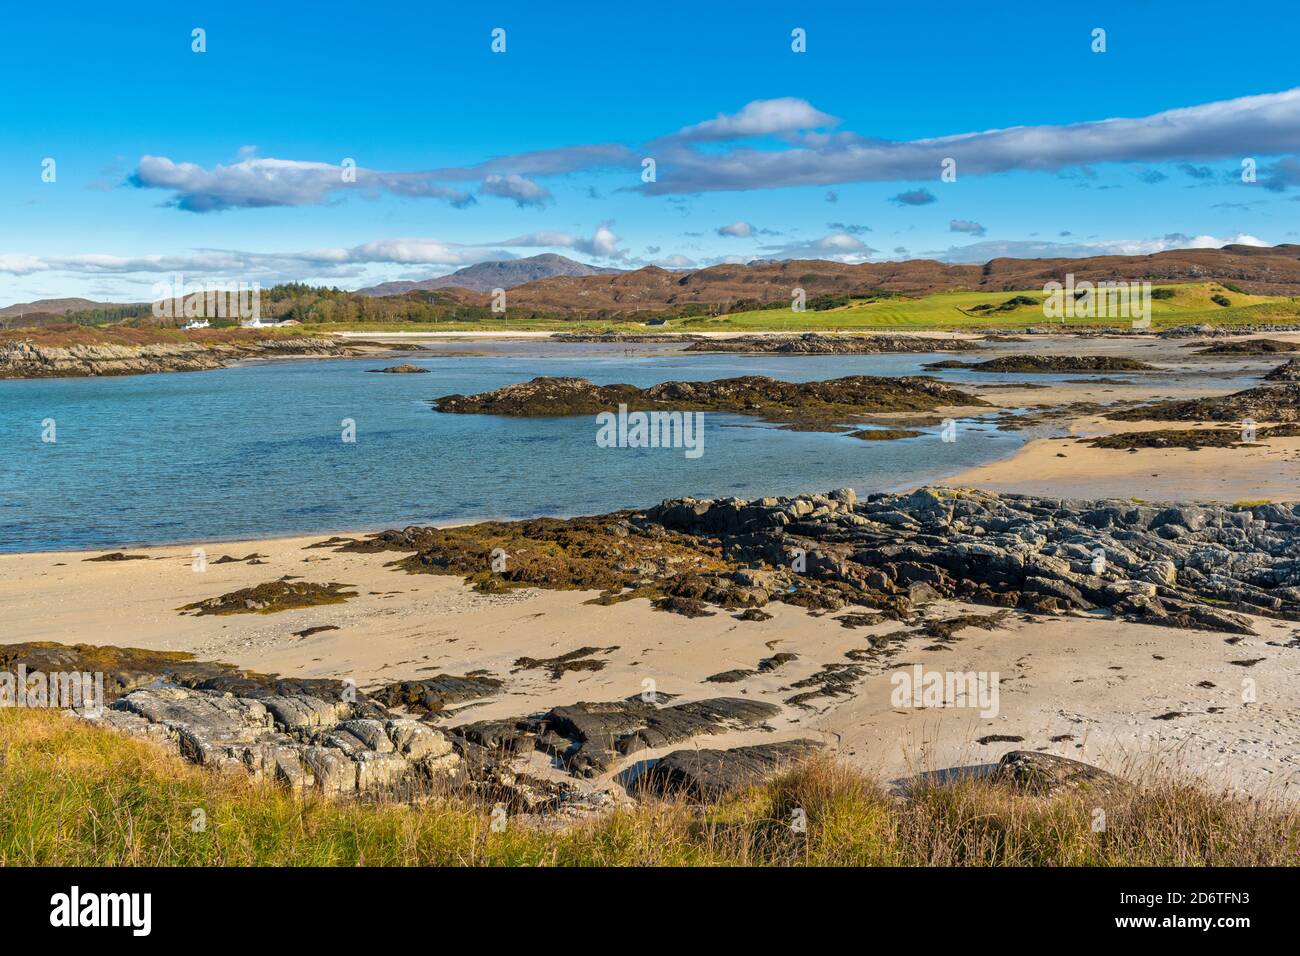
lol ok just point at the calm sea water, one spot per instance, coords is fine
(257, 450)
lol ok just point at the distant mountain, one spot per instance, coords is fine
(55, 306)
(487, 276)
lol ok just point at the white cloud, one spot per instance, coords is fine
(21, 265)
(603, 245)
(839, 246)
(981, 252)
(786, 114)
(546, 162)
(524, 191)
(674, 262)
(1268, 124)
(255, 182)
(691, 161)
(737, 230)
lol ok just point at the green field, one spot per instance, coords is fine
(1190, 303)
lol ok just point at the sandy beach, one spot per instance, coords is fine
(1089, 689)
(1069, 466)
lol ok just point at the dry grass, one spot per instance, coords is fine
(75, 795)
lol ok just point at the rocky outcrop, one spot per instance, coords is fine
(1042, 364)
(124, 668)
(21, 358)
(712, 775)
(814, 343)
(590, 738)
(1216, 331)
(406, 368)
(301, 741)
(317, 733)
(1251, 347)
(811, 405)
(1046, 775)
(1290, 372)
(1264, 403)
(1180, 566)
(327, 735)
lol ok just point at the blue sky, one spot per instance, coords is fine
(226, 164)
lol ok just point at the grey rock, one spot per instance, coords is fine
(1043, 774)
(713, 774)
(589, 738)
(295, 739)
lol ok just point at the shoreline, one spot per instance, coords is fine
(1079, 680)
(1096, 689)
(1068, 467)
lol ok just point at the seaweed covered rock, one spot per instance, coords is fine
(807, 405)
(282, 595)
(432, 695)
(1041, 364)
(1290, 372)
(892, 552)
(1251, 347)
(406, 368)
(817, 343)
(1265, 403)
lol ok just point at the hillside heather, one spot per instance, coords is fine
(1258, 270)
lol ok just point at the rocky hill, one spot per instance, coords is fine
(1259, 270)
(486, 276)
(51, 307)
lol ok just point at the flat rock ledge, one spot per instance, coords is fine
(588, 739)
(20, 358)
(712, 775)
(301, 741)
